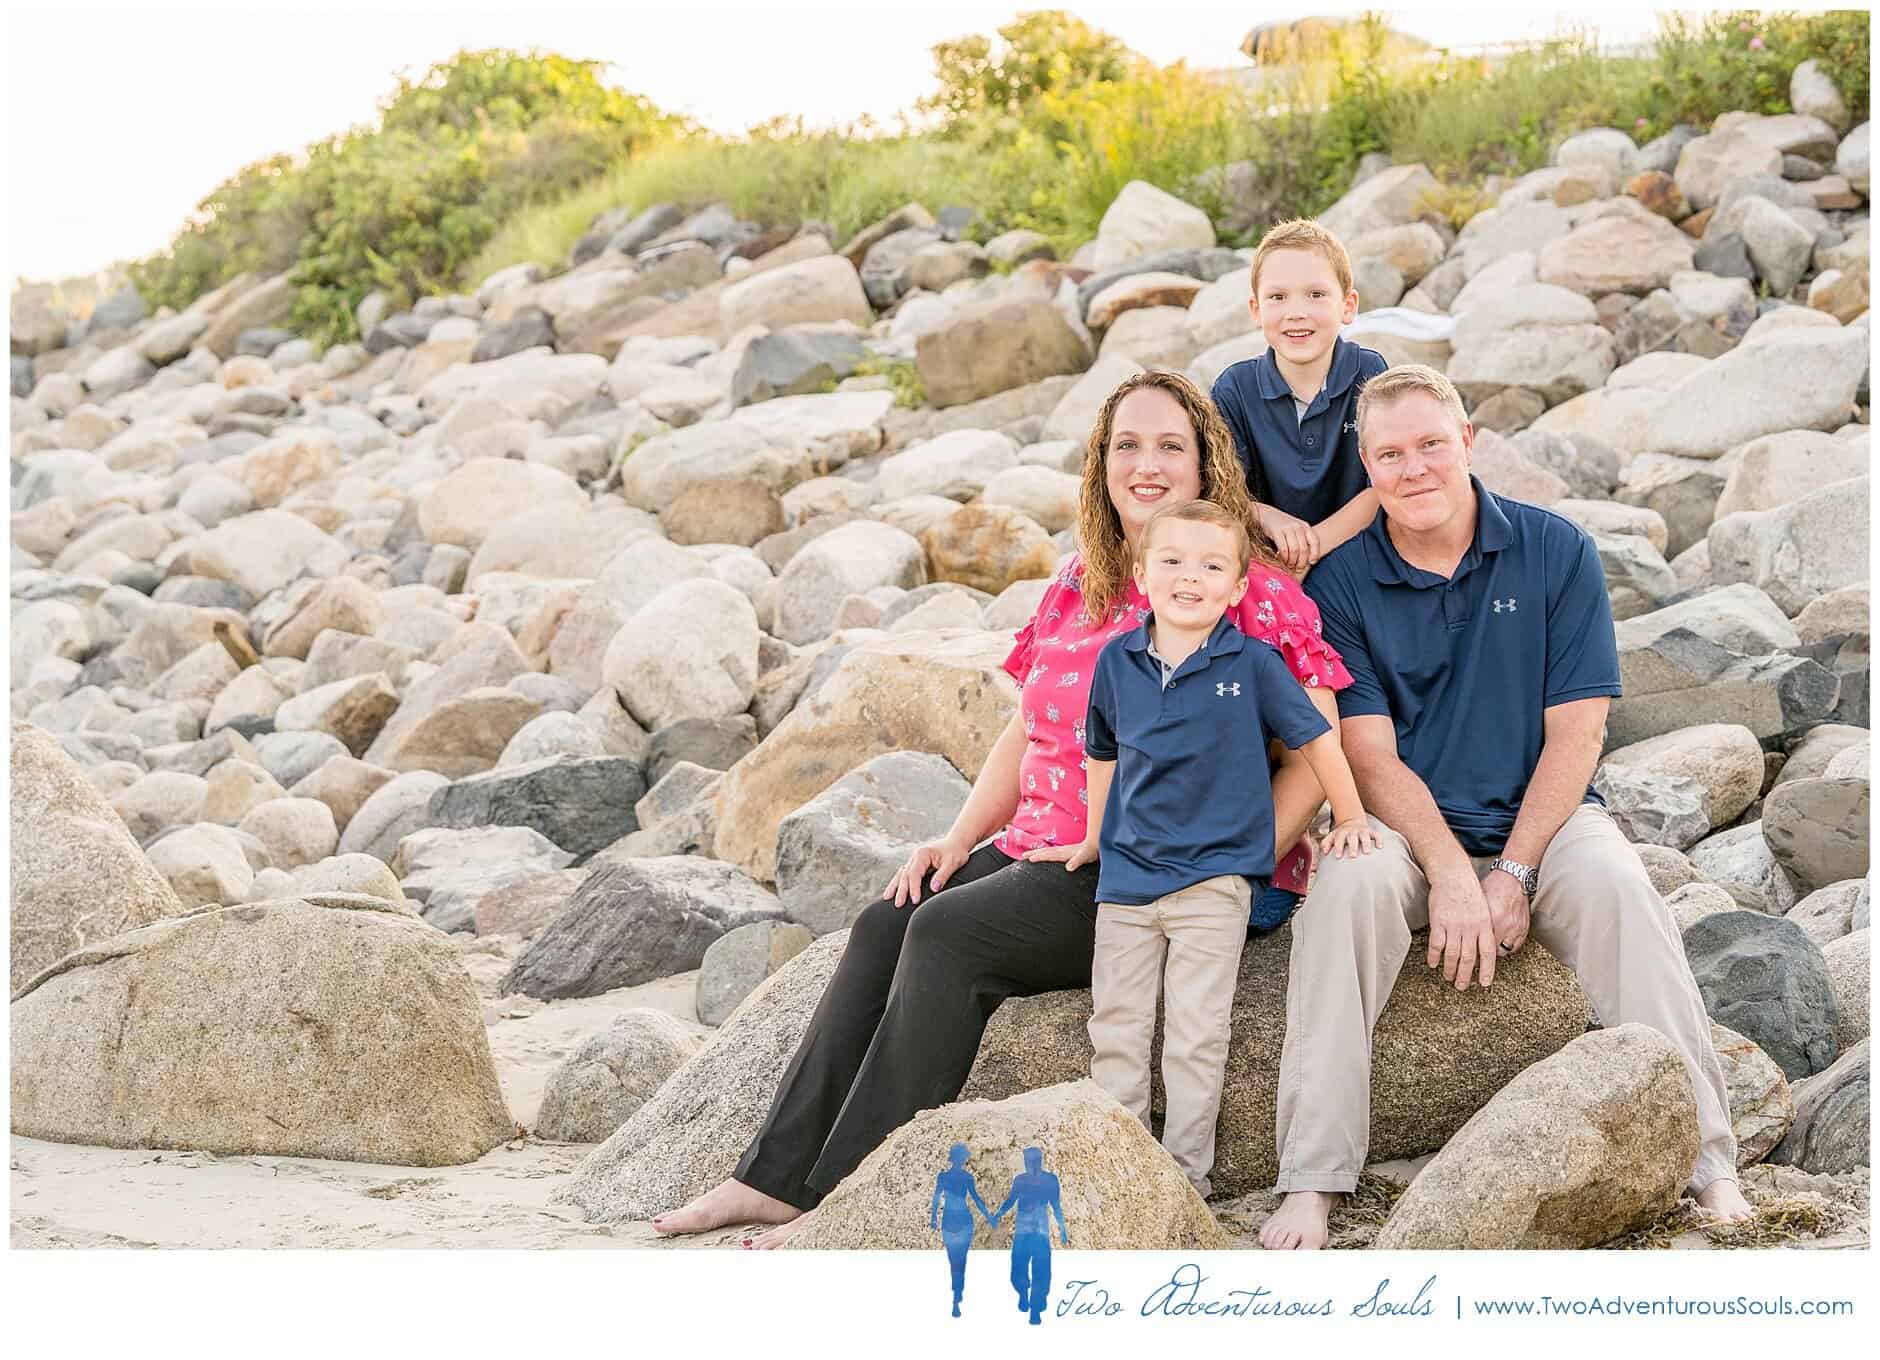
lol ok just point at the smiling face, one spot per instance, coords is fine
(1153, 458)
(1299, 305)
(1417, 454)
(1192, 572)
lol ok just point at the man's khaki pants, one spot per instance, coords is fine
(1596, 911)
(1200, 930)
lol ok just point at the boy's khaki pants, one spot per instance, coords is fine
(1200, 931)
(1596, 911)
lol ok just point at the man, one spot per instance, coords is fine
(1035, 1192)
(1480, 643)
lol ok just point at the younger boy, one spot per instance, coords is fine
(1181, 710)
(1294, 409)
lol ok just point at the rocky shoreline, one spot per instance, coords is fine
(465, 750)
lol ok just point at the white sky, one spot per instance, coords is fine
(121, 120)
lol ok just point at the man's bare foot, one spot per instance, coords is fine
(727, 1202)
(1724, 1198)
(775, 1237)
(1300, 1222)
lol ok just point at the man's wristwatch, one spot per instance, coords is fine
(1525, 874)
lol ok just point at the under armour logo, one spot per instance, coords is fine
(1504, 606)
(1224, 689)
(1351, 427)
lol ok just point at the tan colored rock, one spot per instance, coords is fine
(1121, 1191)
(1157, 288)
(1779, 468)
(937, 692)
(295, 458)
(264, 550)
(824, 288)
(266, 304)
(343, 783)
(1850, 968)
(280, 1029)
(739, 510)
(1506, 471)
(1619, 254)
(988, 547)
(468, 503)
(1724, 757)
(462, 736)
(342, 602)
(206, 865)
(1588, 1144)
(295, 831)
(76, 874)
(355, 710)
(1761, 1107)
(996, 345)
(234, 787)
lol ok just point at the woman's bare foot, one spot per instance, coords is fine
(1300, 1222)
(1724, 1198)
(775, 1237)
(727, 1202)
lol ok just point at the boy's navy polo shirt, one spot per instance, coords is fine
(1190, 798)
(1467, 667)
(1309, 465)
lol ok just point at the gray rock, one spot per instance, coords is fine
(714, 743)
(600, 1085)
(1661, 153)
(450, 870)
(1206, 264)
(884, 269)
(555, 733)
(1726, 255)
(1832, 1114)
(1661, 809)
(1740, 860)
(581, 803)
(837, 852)
(644, 226)
(402, 331)
(1818, 829)
(1768, 981)
(527, 329)
(681, 786)
(635, 922)
(291, 756)
(737, 962)
(1590, 473)
(1682, 678)
(794, 361)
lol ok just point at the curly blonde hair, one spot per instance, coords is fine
(1100, 538)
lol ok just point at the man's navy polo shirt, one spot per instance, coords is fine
(1309, 465)
(1190, 798)
(1466, 667)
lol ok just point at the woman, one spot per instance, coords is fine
(953, 1188)
(899, 1025)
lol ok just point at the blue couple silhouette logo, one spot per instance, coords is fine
(1033, 1199)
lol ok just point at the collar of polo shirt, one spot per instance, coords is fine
(1338, 377)
(1225, 640)
(1493, 532)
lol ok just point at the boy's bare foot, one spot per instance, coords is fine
(775, 1237)
(1300, 1222)
(727, 1202)
(1724, 1198)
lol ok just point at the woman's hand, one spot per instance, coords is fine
(1296, 540)
(1072, 857)
(942, 858)
(1349, 840)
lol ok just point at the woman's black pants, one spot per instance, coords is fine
(899, 1025)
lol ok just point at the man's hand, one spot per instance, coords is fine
(1462, 936)
(1297, 541)
(1507, 910)
(943, 857)
(1072, 857)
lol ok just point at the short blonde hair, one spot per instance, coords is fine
(1303, 233)
(1201, 512)
(1394, 384)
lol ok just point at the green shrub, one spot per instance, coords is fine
(403, 206)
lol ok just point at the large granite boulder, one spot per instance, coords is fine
(1585, 1145)
(1121, 1190)
(280, 1029)
(77, 876)
(995, 345)
(1818, 829)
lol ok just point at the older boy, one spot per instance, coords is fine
(1181, 710)
(1293, 409)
